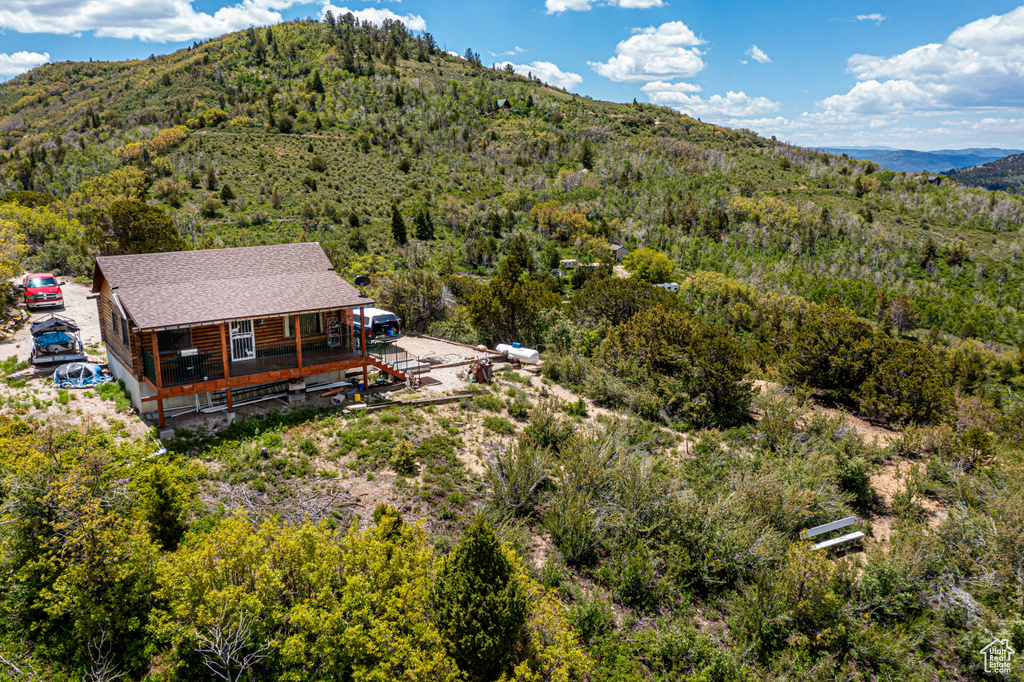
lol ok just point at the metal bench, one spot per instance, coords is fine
(830, 527)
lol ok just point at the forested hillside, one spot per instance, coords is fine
(1006, 174)
(846, 340)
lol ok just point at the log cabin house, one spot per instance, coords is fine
(181, 324)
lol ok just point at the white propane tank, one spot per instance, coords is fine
(528, 355)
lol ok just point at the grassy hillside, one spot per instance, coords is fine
(425, 134)
(846, 341)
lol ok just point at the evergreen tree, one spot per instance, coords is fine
(480, 604)
(520, 253)
(164, 501)
(226, 194)
(587, 154)
(211, 179)
(424, 225)
(398, 225)
(317, 84)
(494, 224)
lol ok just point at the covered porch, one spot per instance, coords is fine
(232, 354)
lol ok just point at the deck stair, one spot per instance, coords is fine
(393, 360)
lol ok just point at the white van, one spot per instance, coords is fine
(669, 286)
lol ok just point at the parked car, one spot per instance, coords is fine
(669, 286)
(380, 324)
(42, 290)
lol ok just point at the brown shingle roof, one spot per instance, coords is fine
(200, 287)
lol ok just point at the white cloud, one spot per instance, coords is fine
(559, 6)
(160, 21)
(547, 72)
(1000, 30)
(155, 21)
(980, 66)
(668, 51)
(758, 54)
(663, 87)
(637, 4)
(20, 62)
(413, 22)
(873, 97)
(874, 16)
(514, 51)
(732, 105)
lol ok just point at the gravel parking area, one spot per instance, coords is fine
(78, 308)
(445, 351)
(450, 378)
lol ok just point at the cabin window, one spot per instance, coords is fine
(172, 340)
(311, 323)
(124, 332)
(113, 321)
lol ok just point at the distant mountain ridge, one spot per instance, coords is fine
(910, 160)
(1006, 174)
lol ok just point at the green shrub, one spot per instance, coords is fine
(637, 583)
(906, 386)
(514, 475)
(832, 351)
(499, 425)
(576, 409)
(115, 391)
(592, 617)
(403, 456)
(575, 519)
(680, 652)
(210, 207)
(547, 430)
(489, 401)
(519, 408)
(307, 446)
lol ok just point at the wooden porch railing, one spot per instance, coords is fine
(176, 371)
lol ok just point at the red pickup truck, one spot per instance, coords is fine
(42, 290)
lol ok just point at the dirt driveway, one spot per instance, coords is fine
(78, 308)
(32, 393)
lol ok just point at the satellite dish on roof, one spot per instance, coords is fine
(362, 281)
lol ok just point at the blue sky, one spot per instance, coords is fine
(923, 76)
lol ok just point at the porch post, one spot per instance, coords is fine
(225, 358)
(156, 364)
(362, 330)
(298, 338)
(159, 378)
